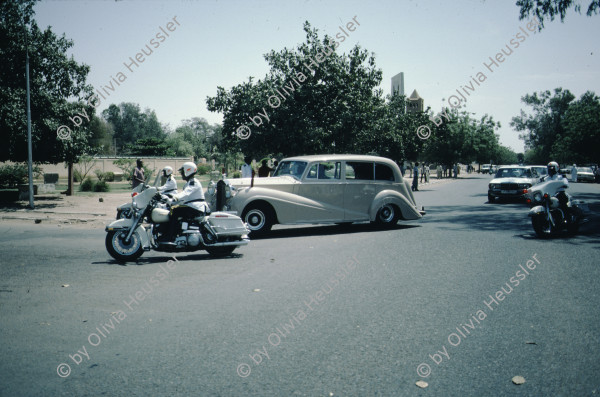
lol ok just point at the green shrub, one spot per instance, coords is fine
(109, 176)
(237, 174)
(204, 169)
(87, 185)
(12, 175)
(101, 186)
(100, 175)
(77, 176)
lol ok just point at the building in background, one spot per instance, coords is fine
(398, 83)
(414, 103)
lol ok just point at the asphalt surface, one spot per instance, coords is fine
(311, 311)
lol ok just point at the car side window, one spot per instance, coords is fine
(359, 170)
(325, 170)
(383, 173)
(312, 172)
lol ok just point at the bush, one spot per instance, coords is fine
(101, 186)
(109, 176)
(77, 176)
(100, 175)
(87, 185)
(237, 174)
(204, 169)
(12, 175)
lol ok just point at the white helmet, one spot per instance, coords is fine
(167, 171)
(552, 168)
(188, 168)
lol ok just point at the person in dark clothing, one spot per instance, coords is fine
(415, 183)
(264, 170)
(138, 174)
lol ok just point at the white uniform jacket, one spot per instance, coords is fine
(192, 196)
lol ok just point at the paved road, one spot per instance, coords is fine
(311, 311)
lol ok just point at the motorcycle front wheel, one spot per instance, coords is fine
(542, 226)
(120, 250)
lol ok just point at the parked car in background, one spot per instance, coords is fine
(511, 182)
(541, 170)
(322, 189)
(585, 174)
(485, 168)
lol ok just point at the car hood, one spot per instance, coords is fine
(510, 180)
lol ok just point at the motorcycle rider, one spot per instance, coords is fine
(561, 195)
(189, 203)
(170, 186)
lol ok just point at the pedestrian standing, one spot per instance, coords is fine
(455, 171)
(138, 174)
(422, 172)
(246, 170)
(574, 173)
(427, 173)
(439, 171)
(415, 183)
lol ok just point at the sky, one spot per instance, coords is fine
(439, 45)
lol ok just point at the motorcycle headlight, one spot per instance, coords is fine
(537, 197)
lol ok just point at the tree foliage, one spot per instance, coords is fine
(320, 112)
(129, 124)
(54, 77)
(560, 128)
(553, 8)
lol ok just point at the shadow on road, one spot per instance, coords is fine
(329, 230)
(164, 257)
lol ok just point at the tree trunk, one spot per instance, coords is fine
(70, 180)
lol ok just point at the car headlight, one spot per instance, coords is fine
(537, 197)
(524, 185)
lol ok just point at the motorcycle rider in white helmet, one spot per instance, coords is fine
(189, 203)
(561, 195)
(170, 186)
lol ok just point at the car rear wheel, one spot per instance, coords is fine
(491, 199)
(259, 218)
(387, 215)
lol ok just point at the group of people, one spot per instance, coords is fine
(424, 170)
(263, 171)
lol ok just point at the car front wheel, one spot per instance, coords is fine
(259, 218)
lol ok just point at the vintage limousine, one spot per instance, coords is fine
(320, 189)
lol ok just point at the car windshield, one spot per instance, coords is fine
(513, 173)
(584, 169)
(292, 168)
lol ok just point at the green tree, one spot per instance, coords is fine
(54, 77)
(129, 123)
(542, 128)
(580, 138)
(318, 111)
(552, 8)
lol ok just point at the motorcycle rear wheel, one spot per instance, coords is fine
(121, 251)
(542, 227)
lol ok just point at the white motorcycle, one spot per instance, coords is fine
(219, 233)
(547, 216)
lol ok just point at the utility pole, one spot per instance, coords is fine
(29, 150)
